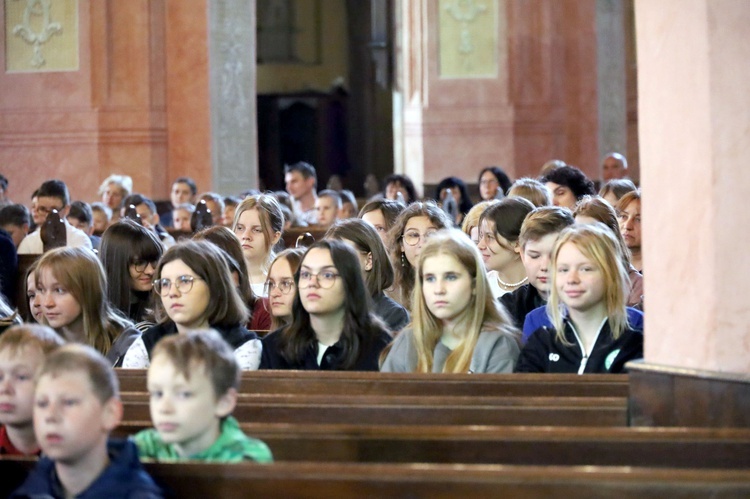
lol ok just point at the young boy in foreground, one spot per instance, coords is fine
(22, 352)
(192, 383)
(76, 406)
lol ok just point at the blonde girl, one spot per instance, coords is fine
(457, 325)
(596, 209)
(590, 330)
(72, 289)
(258, 223)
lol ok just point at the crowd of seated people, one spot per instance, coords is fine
(544, 276)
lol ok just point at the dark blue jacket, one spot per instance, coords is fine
(544, 353)
(124, 478)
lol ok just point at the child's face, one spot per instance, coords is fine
(497, 252)
(181, 194)
(185, 412)
(79, 224)
(35, 298)
(100, 221)
(17, 368)
(227, 219)
(327, 210)
(536, 260)
(60, 307)
(252, 237)
(377, 220)
(187, 308)
(319, 295)
(447, 287)
(417, 230)
(142, 274)
(578, 280)
(181, 220)
(347, 210)
(281, 297)
(70, 422)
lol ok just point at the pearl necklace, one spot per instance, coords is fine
(511, 285)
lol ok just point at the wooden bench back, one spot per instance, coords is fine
(517, 445)
(372, 383)
(304, 479)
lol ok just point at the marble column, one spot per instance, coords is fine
(613, 119)
(234, 149)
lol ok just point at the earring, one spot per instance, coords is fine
(403, 259)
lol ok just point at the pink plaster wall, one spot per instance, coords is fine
(188, 101)
(542, 104)
(694, 114)
(138, 104)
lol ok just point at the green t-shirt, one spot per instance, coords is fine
(232, 446)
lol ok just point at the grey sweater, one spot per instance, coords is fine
(495, 352)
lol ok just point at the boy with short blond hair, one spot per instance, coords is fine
(22, 352)
(192, 383)
(76, 407)
(537, 239)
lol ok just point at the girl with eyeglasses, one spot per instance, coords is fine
(457, 325)
(376, 269)
(195, 285)
(72, 289)
(129, 253)
(410, 231)
(280, 286)
(331, 328)
(499, 228)
(258, 223)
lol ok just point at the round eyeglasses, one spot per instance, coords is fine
(285, 286)
(413, 237)
(325, 279)
(183, 284)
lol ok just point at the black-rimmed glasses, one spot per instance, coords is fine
(140, 265)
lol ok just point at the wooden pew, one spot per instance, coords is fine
(581, 412)
(517, 445)
(303, 479)
(406, 400)
(416, 384)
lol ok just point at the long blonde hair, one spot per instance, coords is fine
(481, 313)
(597, 243)
(82, 275)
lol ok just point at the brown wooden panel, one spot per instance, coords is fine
(325, 480)
(683, 448)
(368, 383)
(666, 396)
